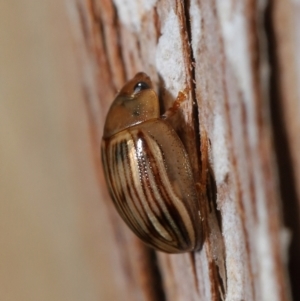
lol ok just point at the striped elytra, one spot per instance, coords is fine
(148, 172)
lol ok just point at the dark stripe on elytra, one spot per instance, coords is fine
(149, 225)
(176, 236)
(144, 217)
(163, 219)
(119, 190)
(112, 160)
(123, 203)
(109, 176)
(132, 220)
(165, 196)
(117, 177)
(155, 238)
(130, 186)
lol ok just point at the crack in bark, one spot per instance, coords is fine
(218, 286)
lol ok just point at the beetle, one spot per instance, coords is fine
(148, 172)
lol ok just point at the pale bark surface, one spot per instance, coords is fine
(61, 66)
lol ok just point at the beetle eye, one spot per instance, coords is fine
(140, 86)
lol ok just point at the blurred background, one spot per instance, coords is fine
(51, 219)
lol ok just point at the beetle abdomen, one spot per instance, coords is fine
(150, 181)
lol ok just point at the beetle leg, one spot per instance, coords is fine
(181, 97)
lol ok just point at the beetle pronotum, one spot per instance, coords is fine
(148, 172)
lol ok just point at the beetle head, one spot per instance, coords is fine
(136, 102)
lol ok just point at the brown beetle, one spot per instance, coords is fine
(148, 172)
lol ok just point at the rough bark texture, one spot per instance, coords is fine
(63, 239)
